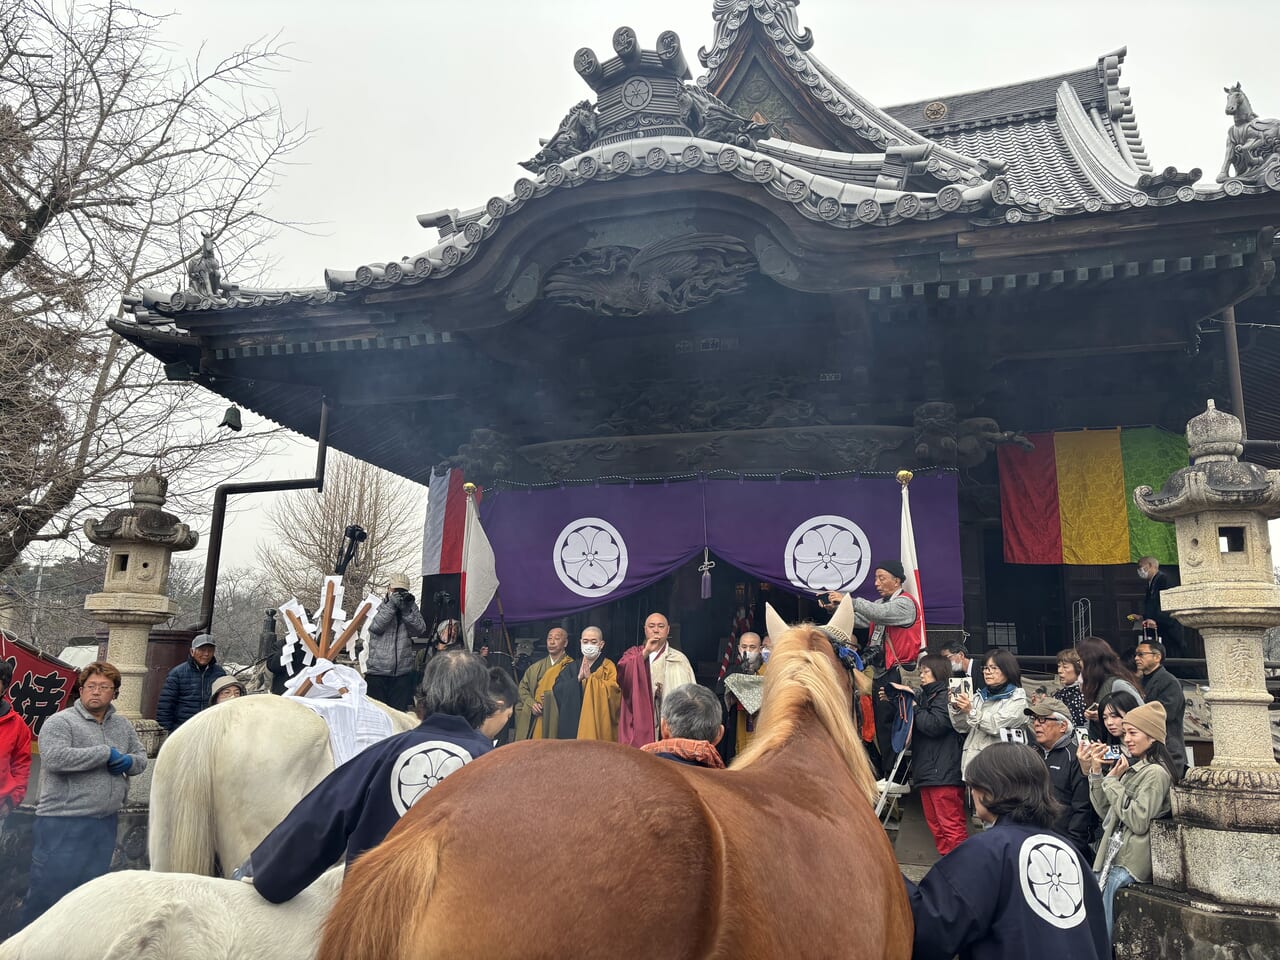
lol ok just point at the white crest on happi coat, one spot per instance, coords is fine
(842, 620)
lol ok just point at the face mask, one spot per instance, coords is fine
(957, 667)
(590, 651)
(746, 657)
(764, 654)
(1144, 573)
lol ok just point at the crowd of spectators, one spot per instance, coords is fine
(1082, 771)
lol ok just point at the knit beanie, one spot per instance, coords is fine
(1150, 719)
(893, 568)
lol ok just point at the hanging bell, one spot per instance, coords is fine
(231, 420)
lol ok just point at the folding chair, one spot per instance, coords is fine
(891, 789)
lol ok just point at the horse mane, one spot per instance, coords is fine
(801, 678)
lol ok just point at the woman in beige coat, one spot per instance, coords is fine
(1134, 793)
(998, 706)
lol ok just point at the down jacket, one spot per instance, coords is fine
(186, 692)
(935, 745)
(391, 635)
(986, 718)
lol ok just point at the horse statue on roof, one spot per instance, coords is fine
(1253, 145)
(656, 858)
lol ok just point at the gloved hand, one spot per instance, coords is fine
(119, 763)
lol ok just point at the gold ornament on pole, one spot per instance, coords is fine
(905, 477)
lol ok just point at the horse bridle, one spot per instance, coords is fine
(842, 647)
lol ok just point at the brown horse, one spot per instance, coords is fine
(584, 849)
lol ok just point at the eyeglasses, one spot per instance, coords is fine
(1035, 720)
(1143, 653)
(990, 668)
(98, 687)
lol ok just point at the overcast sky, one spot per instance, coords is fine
(419, 105)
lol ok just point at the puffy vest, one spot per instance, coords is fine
(902, 644)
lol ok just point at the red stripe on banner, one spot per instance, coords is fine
(1029, 502)
(455, 521)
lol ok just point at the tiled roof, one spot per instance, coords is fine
(1067, 137)
(983, 108)
(839, 203)
(778, 24)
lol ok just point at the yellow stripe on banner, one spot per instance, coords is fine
(1091, 500)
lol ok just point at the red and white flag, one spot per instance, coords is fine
(443, 533)
(479, 569)
(910, 565)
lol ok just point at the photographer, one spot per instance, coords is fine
(1128, 794)
(392, 658)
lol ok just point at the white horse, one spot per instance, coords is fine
(142, 915)
(225, 778)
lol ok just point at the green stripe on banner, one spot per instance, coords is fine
(1150, 456)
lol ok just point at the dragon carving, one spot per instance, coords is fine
(672, 275)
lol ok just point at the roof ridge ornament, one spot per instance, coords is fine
(729, 15)
(641, 93)
(1253, 145)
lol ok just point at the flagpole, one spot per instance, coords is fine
(907, 552)
(470, 490)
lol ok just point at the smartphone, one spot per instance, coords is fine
(1112, 754)
(1082, 736)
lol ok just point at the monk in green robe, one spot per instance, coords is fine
(537, 716)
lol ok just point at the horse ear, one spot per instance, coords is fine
(774, 623)
(842, 619)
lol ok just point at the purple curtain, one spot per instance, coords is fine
(562, 550)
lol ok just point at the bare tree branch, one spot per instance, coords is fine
(112, 160)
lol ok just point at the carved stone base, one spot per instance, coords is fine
(1219, 866)
(1153, 923)
(150, 733)
(1226, 798)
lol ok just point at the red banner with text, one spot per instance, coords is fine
(41, 685)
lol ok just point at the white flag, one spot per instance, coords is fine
(479, 571)
(910, 565)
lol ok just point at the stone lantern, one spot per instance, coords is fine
(141, 539)
(1217, 864)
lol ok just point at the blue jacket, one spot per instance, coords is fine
(186, 692)
(1012, 891)
(355, 807)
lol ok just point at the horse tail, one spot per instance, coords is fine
(384, 897)
(180, 835)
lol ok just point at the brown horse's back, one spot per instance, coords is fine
(583, 849)
(527, 851)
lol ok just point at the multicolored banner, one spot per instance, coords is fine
(41, 685)
(1070, 500)
(567, 549)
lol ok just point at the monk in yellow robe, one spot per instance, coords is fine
(538, 714)
(589, 698)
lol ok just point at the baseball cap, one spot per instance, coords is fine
(1050, 707)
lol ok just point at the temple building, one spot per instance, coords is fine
(760, 273)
